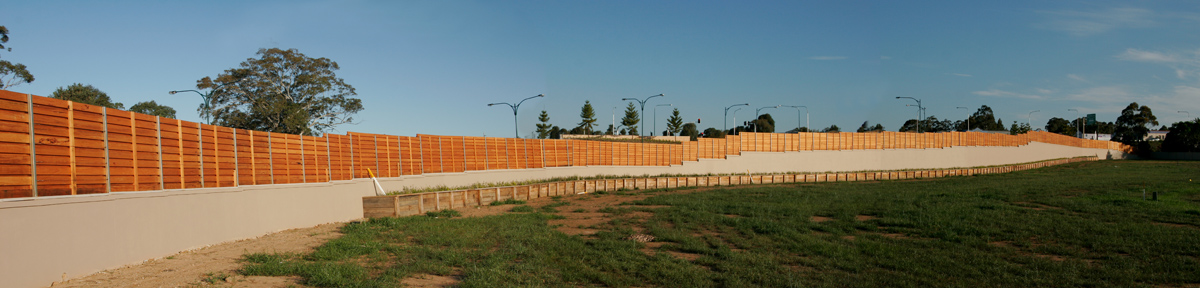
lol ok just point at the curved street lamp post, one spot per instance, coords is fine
(516, 131)
(798, 118)
(655, 126)
(920, 110)
(642, 103)
(734, 116)
(205, 108)
(756, 115)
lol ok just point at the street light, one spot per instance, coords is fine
(968, 117)
(514, 108)
(1186, 112)
(734, 116)
(614, 125)
(798, 117)
(756, 115)
(655, 127)
(1078, 120)
(734, 119)
(1029, 119)
(920, 109)
(205, 107)
(642, 103)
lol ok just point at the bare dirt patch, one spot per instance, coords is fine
(428, 280)
(191, 268)
(865, 217)
(819, 219)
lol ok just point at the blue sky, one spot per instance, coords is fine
(431, 67)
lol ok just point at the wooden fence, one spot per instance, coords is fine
(51, 147)
(417, 203)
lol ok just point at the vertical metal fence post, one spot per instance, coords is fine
(200, 138)
(375, 143)
(421, 146)
(441, 166)
(464, 142)
(158, 134)
(237, 169)
(351, 155)
(485, 154)
(303, 170)
(328, 161)
(271, 157)
(107, 168)
(32, 148)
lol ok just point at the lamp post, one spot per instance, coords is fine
(756, 115)
(734, 116)
(642, 103)
(1077, 120)
(798, 117)
(920, 109)
(514, 108)
(655, 126)
(1186, 112)
(734, 119)
(614, 125)
(206, 107)
(1029, 118)
(968, 117)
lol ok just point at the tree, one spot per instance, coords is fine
(589, 118)
(543, 129)
(11, 74)
(985, 120)
(85, 94)
(282, 91)
(1018, 129)
(832, 129)
(631, 119)
(152, 108)
(1183, 137)
(866, 127)
(1131, 125)
(556, 133)
(689, 129)
(764, 123)
(1061, 126)
(674, 124)
(713, 133)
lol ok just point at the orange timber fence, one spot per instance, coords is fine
(51, 147)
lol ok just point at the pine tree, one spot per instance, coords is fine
(631, 119)
(675, 123)
(589, 118)
(543, 129)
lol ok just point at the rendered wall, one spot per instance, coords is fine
(43, 238)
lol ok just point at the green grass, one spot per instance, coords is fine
(1082, 224)
(522, 208)
(447, 213)
(508, 202)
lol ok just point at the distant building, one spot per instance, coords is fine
(1093, 136)
(1158, 135)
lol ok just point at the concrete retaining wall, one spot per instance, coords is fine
(43, 239)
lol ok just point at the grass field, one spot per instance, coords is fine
(1082, 224)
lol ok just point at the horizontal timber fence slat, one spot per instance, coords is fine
(51, 147)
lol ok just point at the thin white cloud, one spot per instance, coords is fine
(1044, 91)
(1182, 65)
(1132, 54)
(1086, 23)
(1007, 94)
(961, 74)
(1077, 78)
(827, 57)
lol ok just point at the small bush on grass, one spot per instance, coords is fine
(508, 202)
(444, 213)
